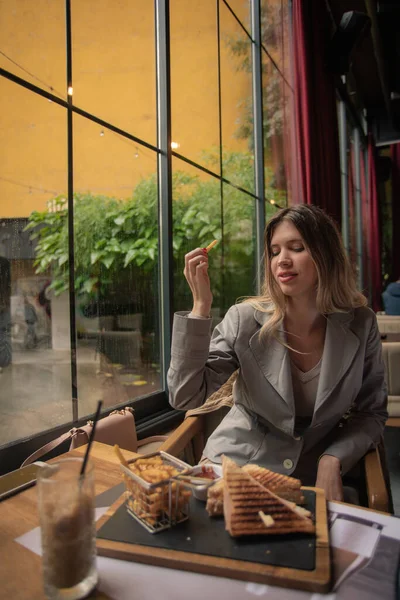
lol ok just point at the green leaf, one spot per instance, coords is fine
(90, 284)
(130, 256)
(108, 261)
(95, 256)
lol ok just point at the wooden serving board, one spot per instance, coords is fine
(120, 536)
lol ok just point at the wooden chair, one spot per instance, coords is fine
(391, 360)
(189, 439)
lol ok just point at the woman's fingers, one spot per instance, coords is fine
(196, 273)
(193, 260)
(198, 253)
(195, 263)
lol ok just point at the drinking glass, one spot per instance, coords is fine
(66, 511)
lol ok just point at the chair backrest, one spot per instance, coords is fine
(391, 359)
(388, 323)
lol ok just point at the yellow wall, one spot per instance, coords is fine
(114, 78)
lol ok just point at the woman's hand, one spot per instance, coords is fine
(196, 273)
(329, 478)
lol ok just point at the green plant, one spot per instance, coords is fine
(116, 240)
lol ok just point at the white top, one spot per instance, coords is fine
(305, 386)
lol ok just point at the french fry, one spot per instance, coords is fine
(155, 505)
(211, 245)
(120, 456)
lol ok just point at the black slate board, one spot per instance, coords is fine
(201, 534)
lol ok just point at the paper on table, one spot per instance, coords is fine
(118, 578)
(390, 525)
(357, 537)
(361, 542)
(31, 539)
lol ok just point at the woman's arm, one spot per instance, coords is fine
(369, 413)
(200, 365)
(329, 477)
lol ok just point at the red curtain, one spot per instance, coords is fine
(352, 210)
(395, 211)
(374, 228)
(365, 226)
(317, 136)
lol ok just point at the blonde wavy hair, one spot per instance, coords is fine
(336, 288)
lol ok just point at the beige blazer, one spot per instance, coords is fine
(260, 426)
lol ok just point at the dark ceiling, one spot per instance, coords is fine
(375, 63)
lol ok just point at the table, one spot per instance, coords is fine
(20, 567)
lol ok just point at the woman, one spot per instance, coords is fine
(308, 352)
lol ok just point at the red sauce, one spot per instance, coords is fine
(207, 473)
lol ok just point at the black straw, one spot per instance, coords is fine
(91, 438)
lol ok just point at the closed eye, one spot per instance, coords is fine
(275, 252)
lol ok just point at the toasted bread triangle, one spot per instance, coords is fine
(272, 480)
(245, 498)
(284, 486)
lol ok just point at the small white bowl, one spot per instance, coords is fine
(201, 492)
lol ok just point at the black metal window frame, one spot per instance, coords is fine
(153, 413)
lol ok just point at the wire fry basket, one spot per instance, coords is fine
(154, 495)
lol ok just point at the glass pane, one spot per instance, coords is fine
(194, 81)
(196, 210)
(238, 260)
(114, 63)
(275, 23)
(270, 210)
(237, 102)
(241, 8)
(35, 378)
(201, 214)
(33, 42)
(277, 131)
(116, 267)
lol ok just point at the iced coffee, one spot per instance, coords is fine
(66, 507)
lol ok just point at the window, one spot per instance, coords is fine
(84, 98)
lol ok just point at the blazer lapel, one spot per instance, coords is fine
(273, 359)
(340, 347)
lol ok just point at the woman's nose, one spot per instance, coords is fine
(284, 259)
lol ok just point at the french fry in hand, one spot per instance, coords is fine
(211, 245)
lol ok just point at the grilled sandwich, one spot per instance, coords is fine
(283, 486)
(251, 509)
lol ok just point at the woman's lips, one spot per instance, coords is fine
(285, 278)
